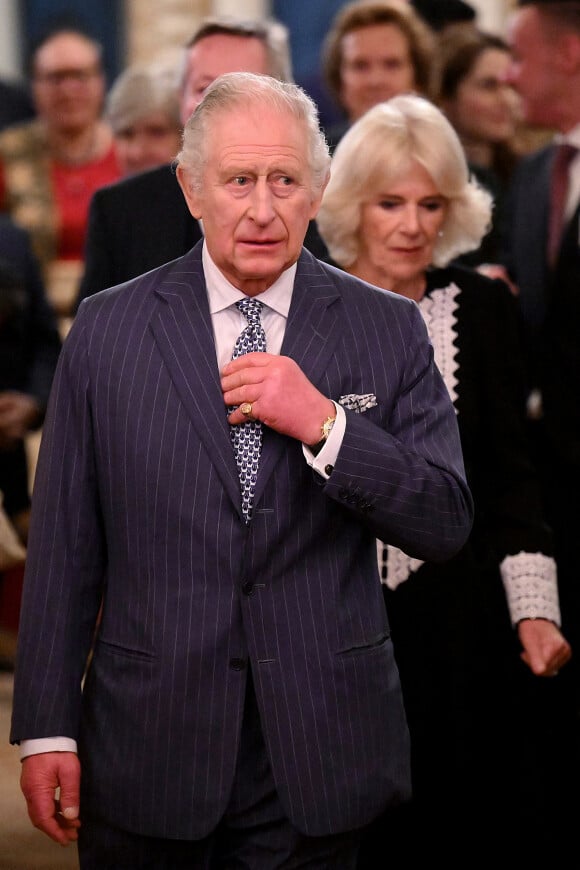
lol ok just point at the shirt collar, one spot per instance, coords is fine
(572, 137)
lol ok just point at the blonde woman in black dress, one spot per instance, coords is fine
(474, 636)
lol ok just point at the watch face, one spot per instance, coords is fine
(327, 427)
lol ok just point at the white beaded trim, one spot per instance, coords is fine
(531, 587)
(438, 310)
(395, 566)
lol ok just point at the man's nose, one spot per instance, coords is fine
(261, 208)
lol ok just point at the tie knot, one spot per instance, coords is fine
(251, 309)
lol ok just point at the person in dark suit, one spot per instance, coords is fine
(123, 238)
(29, 349)
(545, 42)
(242, 697)
(399, 207)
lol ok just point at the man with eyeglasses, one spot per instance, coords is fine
(50, 197)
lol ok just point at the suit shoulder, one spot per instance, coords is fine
(529, 167)
(12, 233)
(128, 292)
(143, 184)
(352, 288)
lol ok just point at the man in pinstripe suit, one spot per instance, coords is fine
(242, 705)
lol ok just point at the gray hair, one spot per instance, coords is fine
(375, 150)
(271, 33)
(232, 90)
(140, 90)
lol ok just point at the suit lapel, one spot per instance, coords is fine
(183, 330)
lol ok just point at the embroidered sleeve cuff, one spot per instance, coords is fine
(531, 587)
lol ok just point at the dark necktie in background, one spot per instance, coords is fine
(565, 153)
(247, 437)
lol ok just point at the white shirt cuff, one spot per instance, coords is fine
(323, 462)
(46, 744)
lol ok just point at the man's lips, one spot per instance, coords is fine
(260, 243)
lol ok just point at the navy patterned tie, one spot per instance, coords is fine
(247, 437)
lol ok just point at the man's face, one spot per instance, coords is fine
(68, 83)
(376, 65)
(217, 54)
(534, 69)
(257, 195)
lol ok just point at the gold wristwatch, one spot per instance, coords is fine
(325, 431)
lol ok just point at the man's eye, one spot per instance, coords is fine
(240, 180)
(387, 204)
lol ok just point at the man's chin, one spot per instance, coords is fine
(260, 264)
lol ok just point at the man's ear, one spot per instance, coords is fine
(192, 197)
(317, 199)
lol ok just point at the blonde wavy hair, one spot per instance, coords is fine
(381, 145)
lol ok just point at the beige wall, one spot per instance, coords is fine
(159, 28)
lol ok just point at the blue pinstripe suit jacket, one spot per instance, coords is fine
(137, 503)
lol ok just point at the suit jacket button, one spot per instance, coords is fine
(248, 588)
(237, 664)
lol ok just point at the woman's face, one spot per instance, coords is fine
(485, 107)
(398, 229)
(148, 142)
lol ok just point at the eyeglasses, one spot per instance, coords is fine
(60, 76)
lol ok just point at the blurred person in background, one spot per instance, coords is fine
(483, 108)
(544, 38)
(50, 166)
(374, 50)
(473, 636)
(29, 350)
(143, 109)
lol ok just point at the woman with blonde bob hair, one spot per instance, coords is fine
(375, 150)
(399, 207)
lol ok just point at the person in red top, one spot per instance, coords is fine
(51, 166)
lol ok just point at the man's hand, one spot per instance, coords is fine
(280, 394)
(40, 777)
(546, 650)
(496, 270)
(18, 413)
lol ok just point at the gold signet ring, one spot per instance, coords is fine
(246, 409)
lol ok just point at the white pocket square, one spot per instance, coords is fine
(358, 404)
